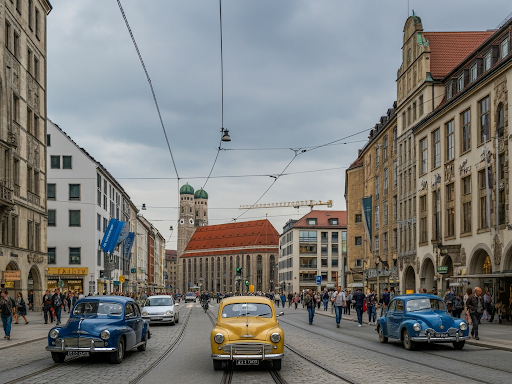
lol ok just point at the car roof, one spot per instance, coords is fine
(159, 296)
(246, 299)
(110, 299)
(417, 296)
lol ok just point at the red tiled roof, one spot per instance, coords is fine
(356, 163)
(234, 235)
(231, 252)
(322, 218)
(447, 49)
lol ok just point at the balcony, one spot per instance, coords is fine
(33, 198)
(308, 266)
(6, 203)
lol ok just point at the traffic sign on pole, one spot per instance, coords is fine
(318, 280)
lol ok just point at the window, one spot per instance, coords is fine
(98, 258)
(359, 218)
(395, 140)
(420, 104)
(385, 243)
(52, 218)
(473, 73)
(334, 262)
(36, 68)
(460, 82)
(333, 221)
(395, 173)
(450, 192)
(16, 42)
(74, 256)
(450, 141)
(395, 207)
(323, 237)
(30, 59)
(466, 217)
(484, 120)
(436, 148)
(504, 48)
(30, 5)
(55, 162)
(423, 144)
(449, 91)
(7, 35)
(385, 208)
(324, 252)
(377, 217)
(307, 236)
(51, 191)
(358, 240)
(74, 218)
(66, 162)
(501, 122)
(466, 185)
(51, 255)
(377, 186)
(377, 156)
(386, 182)
(385, 148)
(98, 222)
(48, 140)
(37, 23)
(74, 191)
(334, 237)
(15, 108)
(105, 225)
(334, 249)
(466, 130)
(18, 6)
(487, 61)
(450, 218)
(377, 243)
(483, 213)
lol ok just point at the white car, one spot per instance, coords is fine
(191, 296)
(161, 309)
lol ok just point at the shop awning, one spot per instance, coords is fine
(355, 285)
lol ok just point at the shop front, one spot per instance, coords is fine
(67, 279)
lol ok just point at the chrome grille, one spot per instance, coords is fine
(247, 348)
(80, 342)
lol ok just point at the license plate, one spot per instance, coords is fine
(247, 362)
(156, 318)
(83, 354)
(442, 335)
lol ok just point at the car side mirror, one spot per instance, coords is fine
(281, 314)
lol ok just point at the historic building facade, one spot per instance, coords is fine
(315, 245)
(22, 146)
(214, 252)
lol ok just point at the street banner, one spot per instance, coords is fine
(367, 217)
(124, 233)
(128, 243)
(111, 236)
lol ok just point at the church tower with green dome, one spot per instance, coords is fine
(193, 213)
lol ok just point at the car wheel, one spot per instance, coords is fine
(459, 345)
(382, 338)
(408, 343)
(58, 357)
(178, 319)
(117, 357)
(142, 347)
(218, 365)
(276, 364)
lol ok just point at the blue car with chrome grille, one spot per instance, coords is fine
(421, 318)
(109, 325)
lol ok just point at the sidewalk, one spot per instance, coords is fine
(492, 335)
(36, 329)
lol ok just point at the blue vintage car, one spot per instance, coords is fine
(421, 318)
(100, 324)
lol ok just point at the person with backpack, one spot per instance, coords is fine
(310, 303)
(325, 298)
(339, 301)
(8, 308)
(57, 303)
(456, 305)
(21, 309)
(371, 302)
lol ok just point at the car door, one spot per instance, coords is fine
(388, 316)
(131, 322)
(140, 323)
(395, 318)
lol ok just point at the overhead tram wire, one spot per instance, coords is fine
(222, 94)
(150, 85)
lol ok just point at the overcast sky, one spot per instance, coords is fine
(296, 74)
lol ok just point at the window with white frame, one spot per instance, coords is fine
(473, 73)
(423, 144)
(436, 148)
(460, 82)
(487, 61)
(449, 91)
(377, 186)
(450, 141)
(504, 48)
(377, 217)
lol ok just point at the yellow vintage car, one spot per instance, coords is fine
(247, 332)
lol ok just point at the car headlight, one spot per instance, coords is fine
(144, 313)
(463, 326)
(416, 327)
(168, 312)
(54, 333)
(275, 337)
(219, 338)
(105, 335)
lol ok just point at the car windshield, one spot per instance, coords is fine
(424, 304)
(96, 308)
(191, 294)
(159, 302)
(247, 309)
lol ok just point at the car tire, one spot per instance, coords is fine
(276, 364)
(178, 319)
(218, 365)
(58, 357)
(382, 338)
(408, 343)
(142, 347)
(459, 345)
(117, 357)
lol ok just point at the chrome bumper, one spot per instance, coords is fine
(271, 356)
(92, 349)
(247, 347)
(451, 339)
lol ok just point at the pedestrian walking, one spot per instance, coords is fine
(475, 305)
(456, 305)
(359, 302)
(346, 309)
(21, 309)
(339, 301)
(290, 299)
(8, 308)
(277, 299)
(310, 303)
(487, 304)
(318, 299)
(57, 303)
(296, 300)
(47, 305)
(325, 299)
(371, 302)
(31, 300)
(384, 301)
(283, 300)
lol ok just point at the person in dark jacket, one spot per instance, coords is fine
(47, 305)
(359, 299)
(475, 305)
(384, 301)
(57, 303)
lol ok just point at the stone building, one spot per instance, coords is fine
(23, 220)
(214, 252)
(171, 270)
(314, 245)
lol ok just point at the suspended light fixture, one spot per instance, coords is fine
(143, 207)
(225, 135)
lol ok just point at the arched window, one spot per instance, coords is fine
(259, 273)
(272, 262)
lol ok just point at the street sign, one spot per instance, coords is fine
(133, 270)
(318, 280)
(443, 269)
(251, 288)
(121, 278)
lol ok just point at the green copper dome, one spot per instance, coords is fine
(186, 190)
(201, 194)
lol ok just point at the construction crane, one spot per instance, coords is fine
(294, 204)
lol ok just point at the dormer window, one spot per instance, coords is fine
(504, 48)
(333, 221)
(312, 221)
(460, 82)
(449, 91)
(472, 73)
(487, 61)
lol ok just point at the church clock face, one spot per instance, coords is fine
(182, 221)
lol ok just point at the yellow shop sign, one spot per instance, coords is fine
(12, 275)
(67, 271)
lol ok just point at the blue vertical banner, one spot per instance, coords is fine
(367, 217)
(128, 243)
(110, 239)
